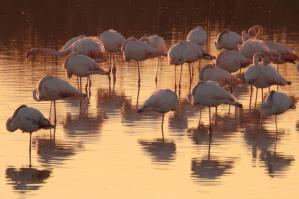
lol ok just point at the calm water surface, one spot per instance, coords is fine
(106, 149)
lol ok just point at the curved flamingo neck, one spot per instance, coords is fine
(256, 57)
(51, 52)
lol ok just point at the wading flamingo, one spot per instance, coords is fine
(276, 103)
(27, 119)
(158, 43)
(137, 50)
(262, 75)
(211, 94)
(82, 66)
(112, 41)
(161, 101)
(186, 52)
(52, 88)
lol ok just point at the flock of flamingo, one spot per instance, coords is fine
(85, 55)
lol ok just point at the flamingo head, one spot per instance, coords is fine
(10, 125)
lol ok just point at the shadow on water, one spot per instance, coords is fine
(161, 150)
(26, 179)
(208, 169)
(55, 152)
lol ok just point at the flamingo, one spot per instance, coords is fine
(51, 88)
(82, 66)
(262, 75)
(112, 41)
(186, 52)
(198, 35)
(212, 73)
(137, 50)
(161, 101)
(211, 94)
(27, 119)
(228, 40)
(158, 43)
(276, 103)
(89, 46)
(232, 60)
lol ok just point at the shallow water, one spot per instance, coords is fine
(106, 149)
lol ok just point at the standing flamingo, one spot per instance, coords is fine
(228, 40)
(158, 43)
(112, 41)
(211, 94)
(232, 60)
(198, 35)
(161, 101)
(89, 46)
(27, 119)
(82, 66)
(137, 50)
(276, 103)
(186, 52)
(52, 88)
(262, 75)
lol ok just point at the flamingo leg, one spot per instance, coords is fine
(114, 67)
(156, 79)
(137, 100)
(139, 79)
(210, 116)
(261, 123)
(275, 118)
(180, 76)
(30, 137)
(251, 91)
(262, 94)
(277, 68)
(55, 119)
(162, 126)
(50, 111)
(256, 93)
(175, 78)
(216, 109)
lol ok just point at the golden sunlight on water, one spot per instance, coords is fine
(105, 149)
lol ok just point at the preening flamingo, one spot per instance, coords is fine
(228, 40)
(276, 103)
(262, 75)
(198, 35)
(161, 101)
(112, 41)
(137, 50)
(27, 119)
(52, 88)
(89, 46)
(158, 43)
(211, 94)
(82, 66)
(232, 60)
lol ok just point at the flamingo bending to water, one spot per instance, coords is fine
(161, 101)
(89, 46)
(27, 119)
(52, 88)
